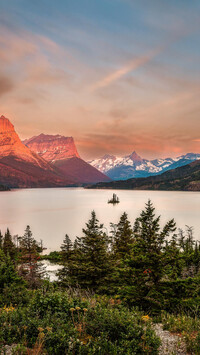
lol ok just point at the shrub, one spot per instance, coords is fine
(188, 327)
(62, 324)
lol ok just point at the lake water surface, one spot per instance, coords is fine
(52, 213)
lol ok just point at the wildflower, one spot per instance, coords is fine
(40, 329)
(112, 301)
(49, 329)
(41, 335)
(118, 301)
(145, 318)
(8, 309)
(72, 310)
(78, 308)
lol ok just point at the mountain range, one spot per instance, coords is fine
(184, 178)
(44, 164)
(122, 168)
(61, 152)
(53, 161)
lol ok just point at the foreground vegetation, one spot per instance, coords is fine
(110, 290)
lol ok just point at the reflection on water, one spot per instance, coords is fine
(52, 213)
(51, 269)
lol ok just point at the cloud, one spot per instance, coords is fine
(15, 46)
(42, 72)
(6, 84)
(138, 62)
(129, 67)
(37, 64)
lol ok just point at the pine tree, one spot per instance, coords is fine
(8, 245)
(12, 287)
(89, 264)
(172, 258)
(150, 242)
(196, 258)
(30, 269)
(67, 254)
(122, 237)
(8, 274)
(1, 240)
(66, 248)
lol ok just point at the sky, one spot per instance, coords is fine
(117, 75)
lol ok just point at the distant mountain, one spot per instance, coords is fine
(122, 168)
(20, 167)
(52, 147)
(62, 153)
(185, 178)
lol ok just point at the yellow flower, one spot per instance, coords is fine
(40, 329)
(49, 329)
(72, 309)
(78, 308)
(145, 318)
(85, 309)
(8, 309)
(41, 335)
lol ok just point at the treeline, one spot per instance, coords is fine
(107, 282)
(148, 266)
(19, 265)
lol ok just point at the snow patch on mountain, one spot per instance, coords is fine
(134, 166)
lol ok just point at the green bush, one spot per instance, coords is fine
(188, 327)
(76, 325)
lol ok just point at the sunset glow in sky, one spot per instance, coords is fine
(117, 75)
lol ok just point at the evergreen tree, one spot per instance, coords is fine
(67, 254)
(89, 264)
(1, 240)
(122, 237)
(172, 258)
(147, 263)
(30, 269)
(150, 242)
(8, 273)
(190, 252)
(196, 258)
(12, 287)
(8, 245)
(66, 248)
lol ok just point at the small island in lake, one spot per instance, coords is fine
(114, 199)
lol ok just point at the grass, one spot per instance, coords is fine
(187, 327)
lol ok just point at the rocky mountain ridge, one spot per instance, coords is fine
(52, 147)
(122, 168)
(184, 178)
(22, 167)
(61, 152)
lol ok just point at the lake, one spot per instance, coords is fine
(51, 213)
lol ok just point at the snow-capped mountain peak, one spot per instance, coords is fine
(121, 168)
